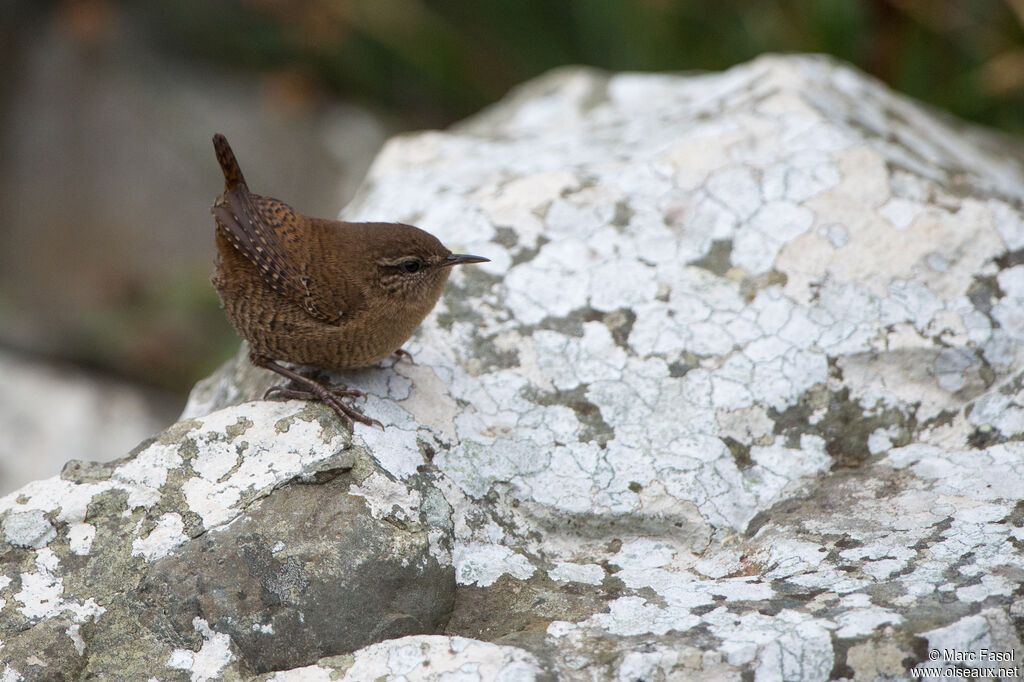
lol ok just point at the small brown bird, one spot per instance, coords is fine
(326, 293)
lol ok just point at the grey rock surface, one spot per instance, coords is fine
(739, 396)
(254, 539)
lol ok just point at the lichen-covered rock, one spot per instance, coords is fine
(256, 538)
(740, 396)
(423, 658)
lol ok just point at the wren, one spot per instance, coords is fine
(325, 293)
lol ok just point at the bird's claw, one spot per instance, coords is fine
(347, 413)
(330, 397)
(291, 393)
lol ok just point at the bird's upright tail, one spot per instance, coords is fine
(233, 177)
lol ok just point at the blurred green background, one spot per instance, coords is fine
(437, 61)
(107, 108)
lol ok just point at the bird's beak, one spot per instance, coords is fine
(462, 258)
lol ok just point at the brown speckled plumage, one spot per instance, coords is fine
(331, 294)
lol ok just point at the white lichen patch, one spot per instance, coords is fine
(10, 675)
(436, 658)
(386, 497)
(28, 529)
(309, 673)
(629, 616)
(168, 534)
(397, 448)
(481, 564)
(42, 593)
(68, 499)
(207, 663)
(590, 574)
(789, 646)
(226, 472)
(80, 537)
(238, 456)
(862, 620)
(427, 400)
(146, 473)
(75, 633)
(992, 474)
(254, 460)
(983, 640)
(1001, 412)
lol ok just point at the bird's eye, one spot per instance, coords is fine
(410, 266)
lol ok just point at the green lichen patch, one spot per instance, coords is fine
(683, 364)
(238, 428)
(510, 607)
(315, 411)
(843, 423)
(750, 286)
(570, 324)
(505, 236)
(983, 293)
(526, 254)
(462, 297)
(188, 450)
(125, 645)
(487, 356)
(46, 650)
(985, 436)
(1009, 259)
(593, 426)
(79, 471)
(620, 324)
(740, 452)
(623, 214)
(174, 433)
(718, 259)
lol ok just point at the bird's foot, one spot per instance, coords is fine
(329, 395)
(295, 394)
(332, 397)
(403, 353)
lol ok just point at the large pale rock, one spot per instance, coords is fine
(86, 417)
(738, 397)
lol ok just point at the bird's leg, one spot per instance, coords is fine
(403, 353)
(316, 391)
(291, 393)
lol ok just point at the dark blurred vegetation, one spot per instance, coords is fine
(126, 94)
(436, 61)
